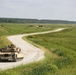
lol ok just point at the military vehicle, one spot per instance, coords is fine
(11, 53)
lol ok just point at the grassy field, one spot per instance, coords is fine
(13, 29)
(60, 52)
(63, 45)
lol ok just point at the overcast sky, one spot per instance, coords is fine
(39, 9)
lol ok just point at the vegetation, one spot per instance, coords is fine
(59, 49)
(62, 44)
(12, 29)
(19, 20)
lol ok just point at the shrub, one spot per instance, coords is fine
(62, 62)
(58, 52)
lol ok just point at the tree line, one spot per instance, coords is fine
(19, 20)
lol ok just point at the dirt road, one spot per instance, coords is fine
(31, 52)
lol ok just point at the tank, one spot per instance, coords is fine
(11, 53)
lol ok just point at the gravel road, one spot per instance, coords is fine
(31, 53)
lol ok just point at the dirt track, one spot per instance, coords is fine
(31, 52)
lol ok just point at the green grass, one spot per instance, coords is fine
(13, 29)
(59, 50)
(61, 44)
(4, 41)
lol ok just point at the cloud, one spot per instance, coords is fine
(48, 9)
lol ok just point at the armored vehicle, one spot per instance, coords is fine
(11, 53)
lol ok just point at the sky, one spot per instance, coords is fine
(39, 9)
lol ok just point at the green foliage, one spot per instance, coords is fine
(4, 41)
(60, 50)
(60, 53)
(61, 44)
(19, 20)
(62, 62)
(12, 29)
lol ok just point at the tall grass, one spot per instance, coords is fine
(60, 54)
(13, 29)
(63, 45)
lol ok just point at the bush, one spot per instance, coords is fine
(58, 52)
(62, 62)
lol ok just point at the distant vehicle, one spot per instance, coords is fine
(11, 53)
